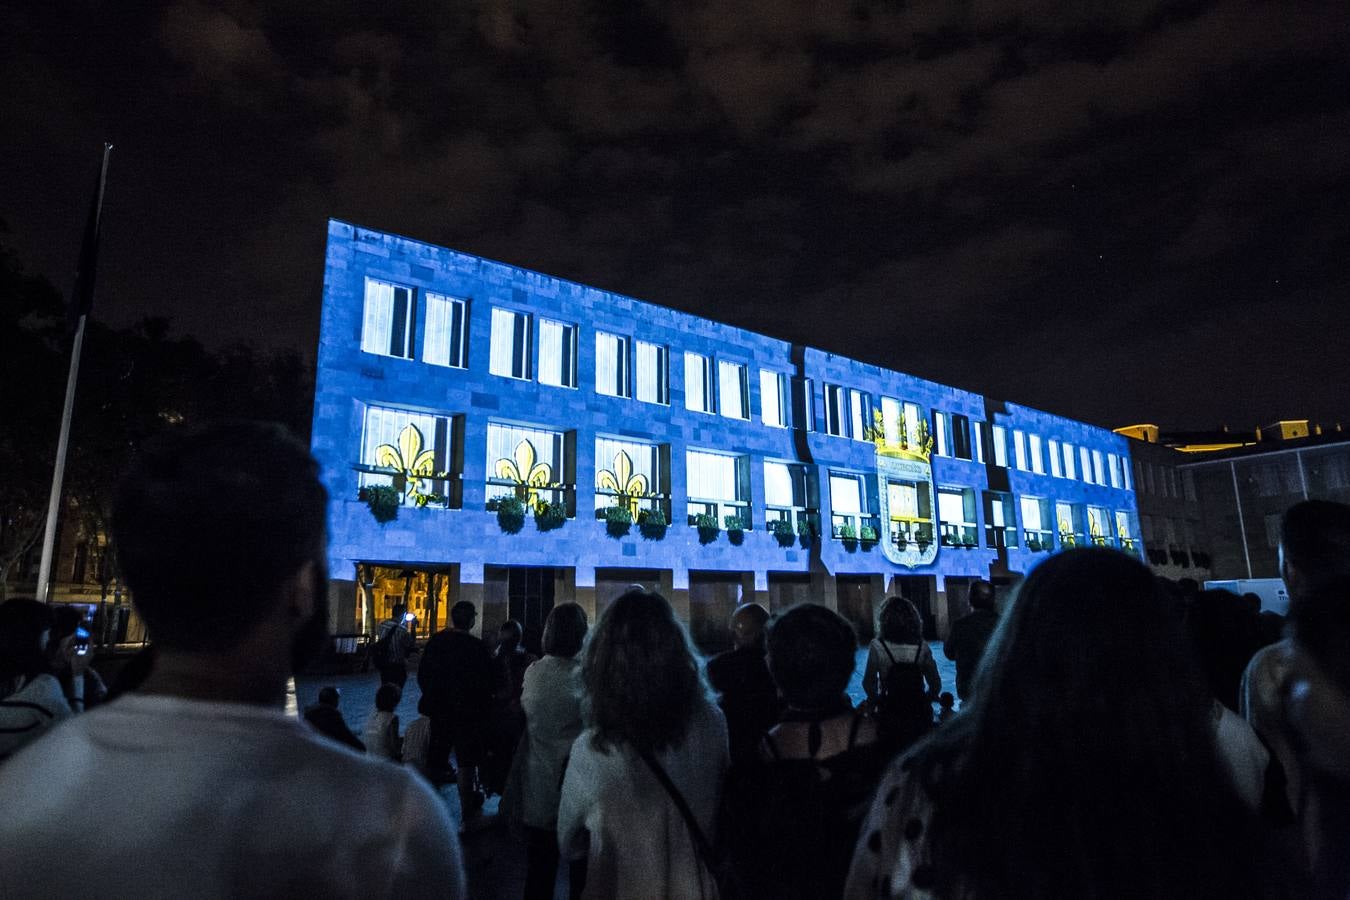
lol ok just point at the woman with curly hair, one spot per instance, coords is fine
(648, 714)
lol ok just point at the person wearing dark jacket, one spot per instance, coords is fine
(749, 697)
(458, 679)
(965, 645)
(326, 718)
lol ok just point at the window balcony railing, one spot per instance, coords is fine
(907, 532)
(443, 492)
(719, 510)
(1000, 537)
(802, 518)
(855, 526)
(1039, 540)
(959, 534)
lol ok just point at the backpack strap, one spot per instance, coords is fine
(701, 844)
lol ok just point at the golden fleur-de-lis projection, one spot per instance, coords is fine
(527, 474)
(408, 457)
(629, 486)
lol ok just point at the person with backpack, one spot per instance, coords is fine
(901, 679)
(393, 644)
(792, 816)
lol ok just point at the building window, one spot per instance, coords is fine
(611, 365)
(1000, 521)
(774, 398)
(892, 421)
(860, 414)
(557, 353)
(979, 442)
(510, 352)
(1126, 479)
(1085, 460)
(789, 495)
(445, 340)
(653, 373)
(915, 427)
(1056, 460)
(698, 383)
(733, 398)
(718, 486)
(631, 474)
(940, 433)
(1124, 536)
(1113, 469)
(387, 327)
(534, 465)
(1034, 451)
(836, 410)
(850, 511)
(910, 508)
(999, 437)
(1036, 524)
(411, 452)
(1068, 462)
(1070, 525)
(956, 515)
(1020, 449)
(1098, 468)
(1099, 526)
(803, 404)
(960, 436)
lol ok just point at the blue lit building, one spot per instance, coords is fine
(515, 421)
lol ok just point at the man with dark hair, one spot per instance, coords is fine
(1317, 709)
(749, 698)
(1314, 550)
(393, 644)
(970, 634)
(326, 718)
(197, 783)
(458, 679)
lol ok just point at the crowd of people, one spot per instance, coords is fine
(1118, 735)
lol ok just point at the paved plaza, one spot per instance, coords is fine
(494, 858)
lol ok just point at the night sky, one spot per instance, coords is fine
(1118, 211)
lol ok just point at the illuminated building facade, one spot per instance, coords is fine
(539, 440)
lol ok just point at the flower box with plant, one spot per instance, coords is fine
(867, 534)
(549, 515)
(652, 524)
(1033, 545)
(733, 523)
(382, 499)
(618, 520)
(510, 513)
(707, 526)
(783, 532)
(848, 532)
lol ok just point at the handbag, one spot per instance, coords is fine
(719, 866)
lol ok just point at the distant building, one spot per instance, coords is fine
(455, 387)
(1210, 510)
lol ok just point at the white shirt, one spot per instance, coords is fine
(551, 700)
(615, 812)
(154, 796)
(381, 736)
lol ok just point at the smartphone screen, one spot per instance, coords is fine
(81, 641)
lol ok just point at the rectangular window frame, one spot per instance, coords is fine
(518, 345)
(445, 331)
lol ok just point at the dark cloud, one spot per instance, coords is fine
(1121, 211)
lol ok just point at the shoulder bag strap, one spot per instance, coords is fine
(882, 642)
(701, 844)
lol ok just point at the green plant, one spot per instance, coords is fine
(652, 523)
(868, 534)
(783, 532)
(806, 529)
(848, 532)
(734, 523)
(1034, 544)
(424, 500)
(382, 499)
(618, 520)
(510, 514)
(549, 515)
(707, 528)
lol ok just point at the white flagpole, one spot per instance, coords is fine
(58, 476)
